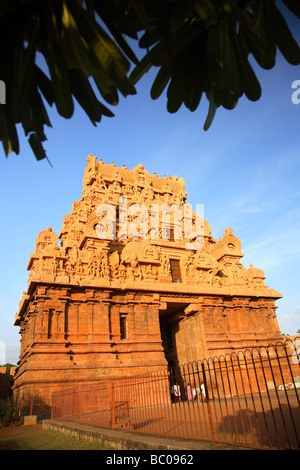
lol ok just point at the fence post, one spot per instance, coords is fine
(73, 406)
(112, 407)
(208, 404)
(52, 406)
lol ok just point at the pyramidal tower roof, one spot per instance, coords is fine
(143, 242)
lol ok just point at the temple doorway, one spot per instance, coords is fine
(168, 336)
(169, 327)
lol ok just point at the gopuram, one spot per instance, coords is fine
(125, 289)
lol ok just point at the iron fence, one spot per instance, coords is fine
(249, 399)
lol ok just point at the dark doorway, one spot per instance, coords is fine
(169, 321)
(168, 339)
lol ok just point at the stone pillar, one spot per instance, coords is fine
(115, 322)
(59, 332)
(274, 321)
(232, 321)
(131, 319)
(40, 321)
(140, 320)
(153, 319)
(73, 323)
(32, 315)
(23, 338)
(90, 318)
(103, 315)
(44, 323)
(101, 321)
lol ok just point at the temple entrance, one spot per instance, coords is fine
(168, 336)
(169, 327)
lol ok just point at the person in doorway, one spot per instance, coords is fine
(172, 393)
(203, 391)
(177, 393)
(189, 392)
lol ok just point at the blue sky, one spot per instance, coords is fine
(245, 170)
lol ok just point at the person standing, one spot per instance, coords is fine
(189, 392)
(177, 393)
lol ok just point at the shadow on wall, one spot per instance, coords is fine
(33, 404)
(6, 379)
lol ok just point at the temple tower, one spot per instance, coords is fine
(134, 282)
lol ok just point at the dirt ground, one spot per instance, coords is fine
(9, 432)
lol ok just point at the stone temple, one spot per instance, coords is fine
(123, 290)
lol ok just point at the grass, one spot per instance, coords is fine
(50, 440)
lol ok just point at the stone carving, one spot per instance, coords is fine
(90, 173)
(165, 268)
(98, 266)
(256, 277)
(45, 238)
(81, 256)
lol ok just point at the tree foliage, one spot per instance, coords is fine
(201, 47)
(9, 412)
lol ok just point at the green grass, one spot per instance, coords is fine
(50, 440)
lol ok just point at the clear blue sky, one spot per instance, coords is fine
(245, 170)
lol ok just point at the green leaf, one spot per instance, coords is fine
(38, 111)
(257, 48)
(211, 110)
(8, 131)
(175, 93)
(80, 51)
(109, 93)
(284, 39)
(37, 147)
(24, 78)
(206, 11)
(221, 60)
(176, 44)
(193, 90)
(180, 15)
(60, 80)
(34, 114)
(116, 21)
(150, 38)
(112, 61)
(294, 6)
(161, 80)
(141, 12)
(266, 31)
(86, 97)
(113, 11)
(226, 98)
(105, 111)
(249, 81)
(141, 68)
(44, 84)
(84, 94)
